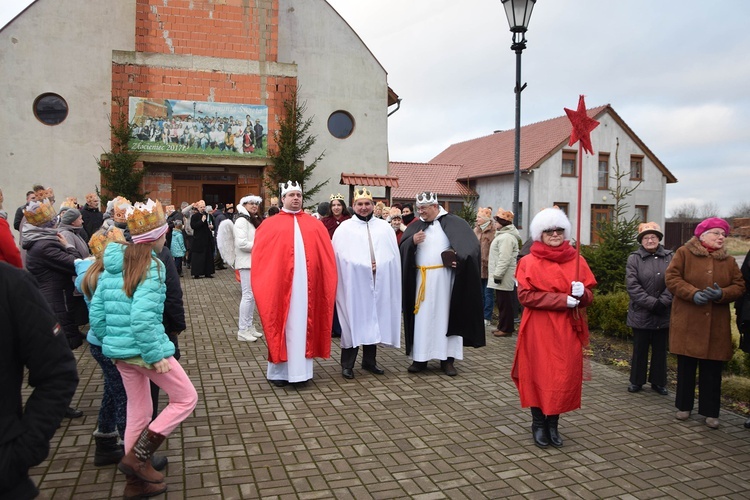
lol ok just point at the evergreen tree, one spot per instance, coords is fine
(119, 174)
(608, 259)
(292, 145)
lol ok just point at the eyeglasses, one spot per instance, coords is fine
(717, 233)
(557, 230)
(651, 237)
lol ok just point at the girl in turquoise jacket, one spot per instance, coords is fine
(126, 316)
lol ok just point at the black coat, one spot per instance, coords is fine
(650, 301)
(174, 309)
(466, 317)
(202, 249)
(29, 337)
(53, 266)
(743, 307)
(93, 219)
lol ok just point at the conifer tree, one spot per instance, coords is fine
(293, 143)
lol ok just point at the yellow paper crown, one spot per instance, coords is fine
(70, 202)
(100, 239)
(120, 206)
(362, 193)
(143, 218)
(337, 196)
(39, 213)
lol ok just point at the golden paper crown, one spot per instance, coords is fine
(100, 239)
(143, 218)
(70, 202)
(337, 196)
(363, 193)
(38, 213)
(120, 206)
(505, 215)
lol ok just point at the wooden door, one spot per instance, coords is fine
(186, 190)
(599, 215)
(251, 187)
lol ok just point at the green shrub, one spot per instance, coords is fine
(609, 314)
(736, 388)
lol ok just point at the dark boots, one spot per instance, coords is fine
(544, 429)
(554, 436)
(136, 488)
(108, 450)
(539, 427)
(137, 461)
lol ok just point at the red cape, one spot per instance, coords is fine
(271, 279)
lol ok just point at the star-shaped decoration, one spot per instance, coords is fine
(582, 126)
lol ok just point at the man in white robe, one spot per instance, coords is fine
(442, 292)
(368, 295)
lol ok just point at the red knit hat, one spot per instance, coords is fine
(711, 223)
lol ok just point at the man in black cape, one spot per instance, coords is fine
(441, 251)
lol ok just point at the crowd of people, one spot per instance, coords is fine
(361, 273)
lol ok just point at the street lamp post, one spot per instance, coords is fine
(519, 14)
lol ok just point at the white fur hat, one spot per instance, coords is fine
(255, 200)
(549, 218)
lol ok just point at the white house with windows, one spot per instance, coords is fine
(549, 171)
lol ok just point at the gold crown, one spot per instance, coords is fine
(70, 202)
(120, 206)
(100, 239)
(38, 213)
(337, 196)
(143, 218)
(362, 193)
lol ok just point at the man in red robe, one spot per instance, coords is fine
(295, 279)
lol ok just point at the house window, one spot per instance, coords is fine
(641, 213)
(454, 207)
(50, 109)
(564, 206)
(568, 163)
(340, 124)
(636, 168)
(603, 179)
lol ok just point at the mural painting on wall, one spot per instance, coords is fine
(195, 127)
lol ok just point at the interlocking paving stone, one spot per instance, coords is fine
(398, 435)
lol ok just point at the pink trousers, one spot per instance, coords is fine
(177, 385)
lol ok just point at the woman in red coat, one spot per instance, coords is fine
(548, 365)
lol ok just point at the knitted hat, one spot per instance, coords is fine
(711, 223)
(146, 222)
(645, 228)
(505, 215)
(39, 213)
(549, 218)
(69, 216)
(100, 239)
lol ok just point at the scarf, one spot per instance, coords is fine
(563, 253)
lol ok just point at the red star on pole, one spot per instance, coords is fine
(582, 126)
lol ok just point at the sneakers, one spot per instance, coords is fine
(246, 336)
(487, 322)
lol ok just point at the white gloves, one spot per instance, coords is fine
(572, 302)
(577, 289)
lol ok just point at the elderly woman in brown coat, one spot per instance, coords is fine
(704, 279)
(484, 228)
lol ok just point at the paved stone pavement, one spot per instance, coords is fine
(424, 436)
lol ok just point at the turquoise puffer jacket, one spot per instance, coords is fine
(130, 326)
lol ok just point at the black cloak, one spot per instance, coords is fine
(466, 317)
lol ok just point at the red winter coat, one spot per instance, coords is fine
(548, 365)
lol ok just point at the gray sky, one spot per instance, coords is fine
(677, 71)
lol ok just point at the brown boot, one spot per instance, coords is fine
(136, 462)
(135, 488)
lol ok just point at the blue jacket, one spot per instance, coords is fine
(130, 326)
(178, 244)
(82, 266)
